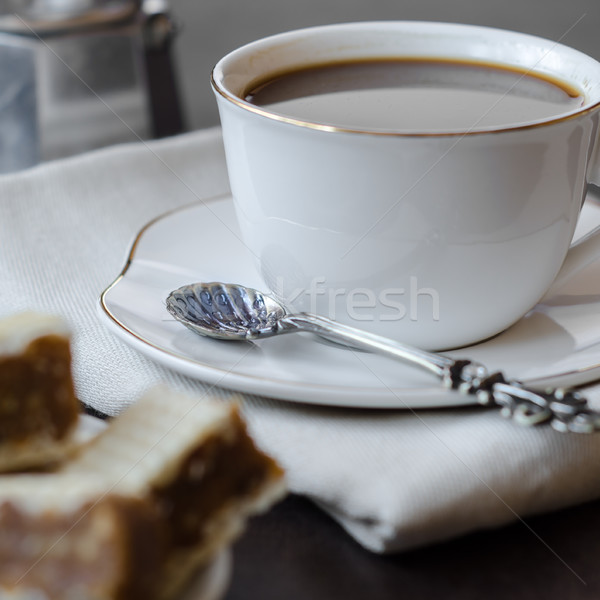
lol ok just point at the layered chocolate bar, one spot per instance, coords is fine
(63, 538)
(38, 407)
(192, 468)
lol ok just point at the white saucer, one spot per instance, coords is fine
(558, 343)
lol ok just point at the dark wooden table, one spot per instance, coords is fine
(296, 552)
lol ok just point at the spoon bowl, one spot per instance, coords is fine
(226, 311)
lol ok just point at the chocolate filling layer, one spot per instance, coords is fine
(212, 477)
(36, 391)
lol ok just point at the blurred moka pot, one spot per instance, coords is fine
(19, 134)
(103, 70)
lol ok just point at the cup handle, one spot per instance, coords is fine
(593, 175)
(581, 254)
(587, 249)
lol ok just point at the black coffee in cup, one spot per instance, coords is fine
(411, 96)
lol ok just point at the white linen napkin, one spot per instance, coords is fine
(393, 479)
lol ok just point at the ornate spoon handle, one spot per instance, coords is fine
(564, 410)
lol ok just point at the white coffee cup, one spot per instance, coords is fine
(437, 240)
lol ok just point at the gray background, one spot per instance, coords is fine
(211, 28)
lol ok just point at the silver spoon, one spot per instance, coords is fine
(234, 312)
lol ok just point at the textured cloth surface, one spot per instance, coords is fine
(393, 479)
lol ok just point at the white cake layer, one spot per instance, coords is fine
(18, 331)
